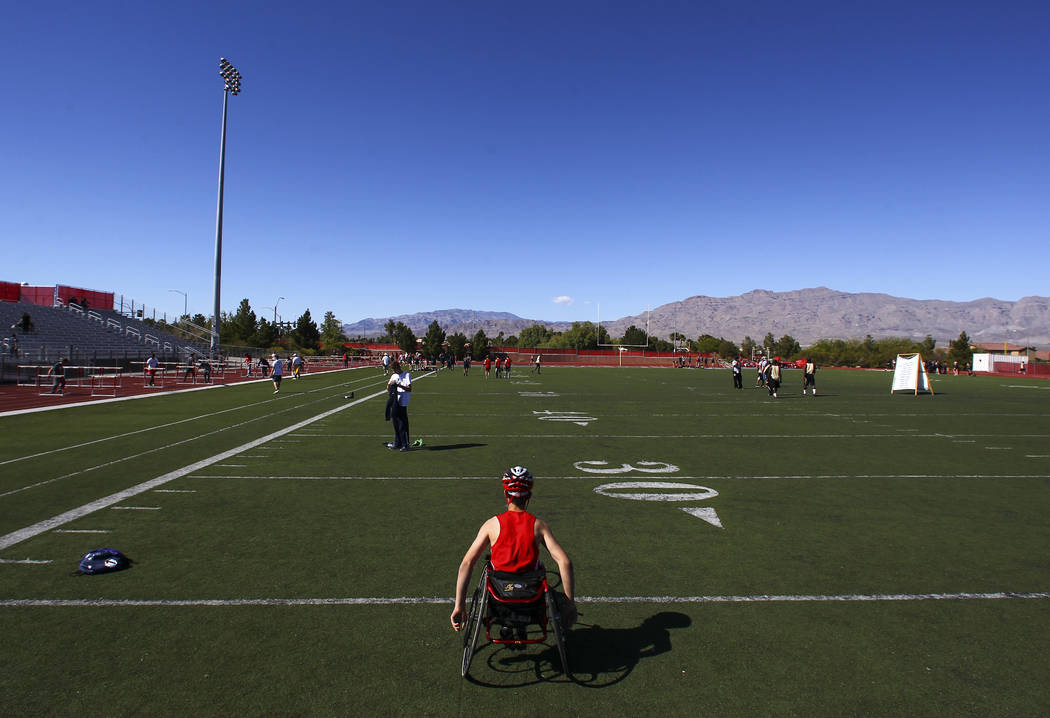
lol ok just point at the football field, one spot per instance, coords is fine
(850, 553)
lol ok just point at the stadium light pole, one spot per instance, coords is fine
(185, 301)
(231, 84)
(275, 308)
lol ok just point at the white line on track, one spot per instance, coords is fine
(138, 431)
(600, 478)
(64, 518)
(432, 600)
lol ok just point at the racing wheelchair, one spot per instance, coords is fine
(522, 606)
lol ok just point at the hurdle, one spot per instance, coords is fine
(186, 373)
(159, 378)
(106, 381)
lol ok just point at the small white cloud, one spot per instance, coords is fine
(564, 300)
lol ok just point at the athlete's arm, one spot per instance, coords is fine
(466, 566)
(559, 556)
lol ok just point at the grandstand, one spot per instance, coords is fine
(84, 334)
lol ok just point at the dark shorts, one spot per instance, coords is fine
(277, 380)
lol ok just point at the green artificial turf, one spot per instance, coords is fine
(853, 492)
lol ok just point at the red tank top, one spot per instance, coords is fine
(515, 549)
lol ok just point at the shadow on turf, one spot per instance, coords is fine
(599, 657)
(450, 447)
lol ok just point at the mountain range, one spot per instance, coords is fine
(805, 314)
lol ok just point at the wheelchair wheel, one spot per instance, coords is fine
(475, 618)
(554, 619)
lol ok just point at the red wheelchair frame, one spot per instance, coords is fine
(541, 605)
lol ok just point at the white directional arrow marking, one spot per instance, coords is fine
(705, 514)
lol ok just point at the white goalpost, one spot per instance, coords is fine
(909, 374)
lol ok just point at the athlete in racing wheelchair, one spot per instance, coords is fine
(513, 592)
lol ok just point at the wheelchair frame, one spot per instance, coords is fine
(478, 614)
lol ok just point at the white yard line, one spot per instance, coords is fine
(64, 518)
(438, 600)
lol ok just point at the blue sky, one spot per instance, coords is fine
(538, 158)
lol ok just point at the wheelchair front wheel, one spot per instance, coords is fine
(558, 629)
(475, 617)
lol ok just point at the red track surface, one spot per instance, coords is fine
(14, 398)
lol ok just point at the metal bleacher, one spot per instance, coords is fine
(85, 335)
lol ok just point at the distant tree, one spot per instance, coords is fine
(201, 321)
(727, 349)
(769, 342)
(927, 346)
(707, 343)
(959, 350)
(479, 345)
(747, 347)
(535, 336)
(433, 340)
(456, 345)
(511, 341)
(241, 326)
(634, 336)
(581, 335)
(305, 333)
(786, 347)
(659, 345)
(404, 338)
(265, 335)
(332, 336)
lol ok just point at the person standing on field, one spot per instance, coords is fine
(773, 378)
(401, 383)
(536, 368)
(277, 373)
(738, 374)
(809, 378)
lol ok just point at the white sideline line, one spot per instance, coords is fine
(134, 508)
(168, 446)
(436, 600)
(137, 431)
(24, 560)
(174, 491)
(83, 531)
(16, 412)
(64, 518)
(596, 477)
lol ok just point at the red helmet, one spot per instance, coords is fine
(517, 482)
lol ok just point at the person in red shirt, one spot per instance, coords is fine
(488, 365)
(515, 537)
